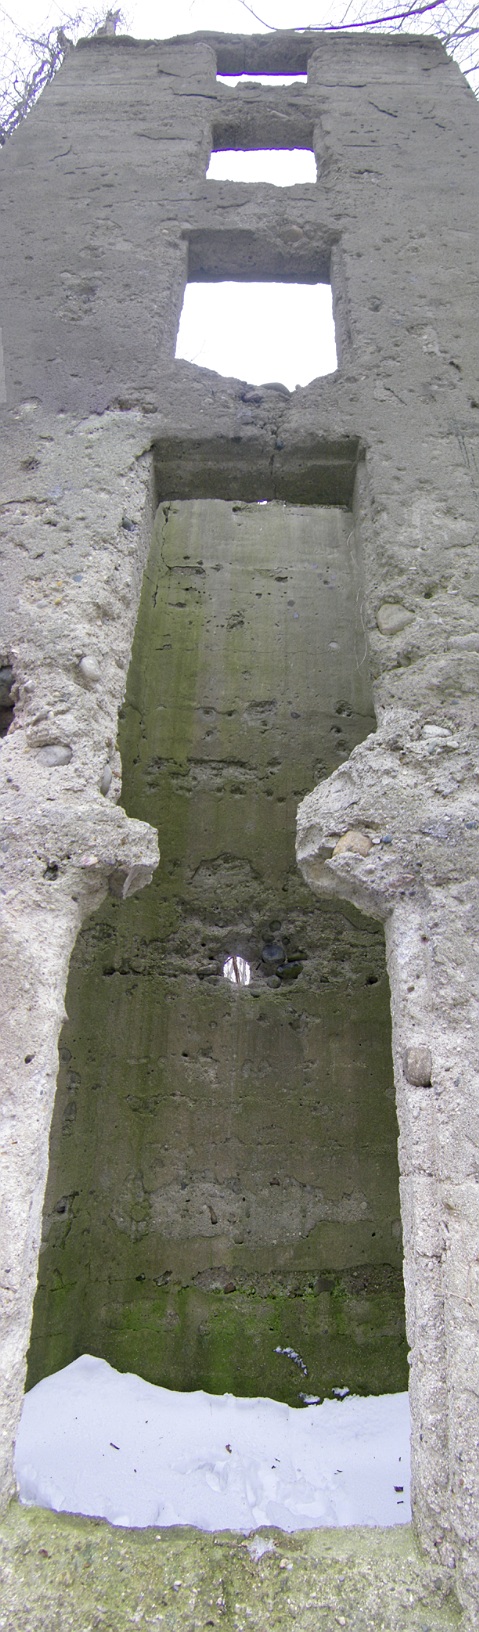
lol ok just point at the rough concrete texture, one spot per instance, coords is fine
(62, 841)
(105, 212)
(223, 1176)
(64, 1572)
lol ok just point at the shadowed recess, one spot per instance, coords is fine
(222, 1209)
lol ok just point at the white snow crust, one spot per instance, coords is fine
(110, 1445)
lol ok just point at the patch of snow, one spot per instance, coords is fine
(258, 1546)
(292, 1355)
(110, 1445)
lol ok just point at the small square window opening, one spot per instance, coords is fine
(281, 167)
(262, 79)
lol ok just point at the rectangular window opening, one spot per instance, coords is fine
(259, 332)
(261, 126)
(281, 167)
(276, 59)
(262, 79)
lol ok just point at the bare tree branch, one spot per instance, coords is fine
(454, 22)
(36, 62)
(257, 19)
(32, 61)
(364, 22)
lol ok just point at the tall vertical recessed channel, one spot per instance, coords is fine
(223, 1185)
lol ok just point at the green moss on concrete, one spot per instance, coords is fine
(203, 1136)
(63, 1574)
(228, 1340)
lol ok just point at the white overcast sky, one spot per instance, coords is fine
(157, 19)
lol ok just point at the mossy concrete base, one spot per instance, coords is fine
(61, 1573)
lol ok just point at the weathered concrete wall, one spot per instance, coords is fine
(61, 839)
(223, 1175)
(104, 208)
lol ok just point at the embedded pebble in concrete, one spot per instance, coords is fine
(358, 843)
(106, 779)
(55, 753)
(89, 670)
(391, 618)
(418, 1066)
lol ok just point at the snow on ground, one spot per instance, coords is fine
(95, 1441)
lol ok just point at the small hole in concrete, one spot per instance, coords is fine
(237, 971)
(6, 698)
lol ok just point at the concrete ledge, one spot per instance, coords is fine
(80, 1573)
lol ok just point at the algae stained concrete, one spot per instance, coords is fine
(79, 1573)
(223, 1178)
